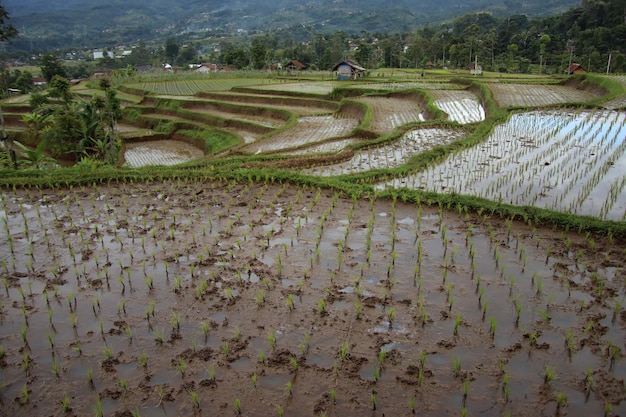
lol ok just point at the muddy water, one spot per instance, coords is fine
(218, 285)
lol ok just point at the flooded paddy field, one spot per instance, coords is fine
(204, 297)
(461, 106)
(160, 152)
(309, 129)
(565, 160)
(393, 154)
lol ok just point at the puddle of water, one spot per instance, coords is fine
(273, 381)
(242, 365)
(323, 361)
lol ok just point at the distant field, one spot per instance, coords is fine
(191, 87)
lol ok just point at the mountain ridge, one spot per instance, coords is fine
(103, 23)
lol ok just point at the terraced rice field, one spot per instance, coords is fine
(563, 160)
(310, 87)
(530, 95)
(392, 112)
(399, 86)
(160, 152)
(308, 130)
(235, 115)
(130, 131)
(331, 146)
(190, 87)
(393, 154)
(460, 105)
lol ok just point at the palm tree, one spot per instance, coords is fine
(34, 157)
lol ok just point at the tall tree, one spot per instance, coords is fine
(50, 66)
(6, 32)
(140, 55)
(171, 50)
(257, 55)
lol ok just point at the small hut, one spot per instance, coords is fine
(295, 65)
(348, 70)
(575, 69)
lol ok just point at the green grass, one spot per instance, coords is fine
(214, 141)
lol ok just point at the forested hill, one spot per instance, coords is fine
(45, 24)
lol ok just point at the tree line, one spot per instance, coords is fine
(588, 34)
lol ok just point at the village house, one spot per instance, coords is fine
(208, 68)
(348, 70)
(575, 69)
(294, 65)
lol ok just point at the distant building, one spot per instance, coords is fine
(575, 69)
(348, 70)
(103, 73)
(208, 68)
(295, 65)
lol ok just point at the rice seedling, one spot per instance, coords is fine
(25, 394)
(457, 322)
(589, 383)
(561, 400)
(225, 349)
(304, 347)
(344, 351)
(195, 399)
(65, 403)
(271, 338)
(143, 360)
(237, 406)
(492, 326)
(55, 368)
(391, 315)
(411, 403)
(321, 306)
(358, 308)
(123, 385)
(290, 303)
(98, 411)
(236, 334)
(281, 411)
(158, 336)
(181, 367)
(175, 321)
(382, 355)
(289, 388)
(456, 366)
(259, 298)
(261, 356)
(548, 375)
(613, 352)
(373, 400)
(376, 373)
